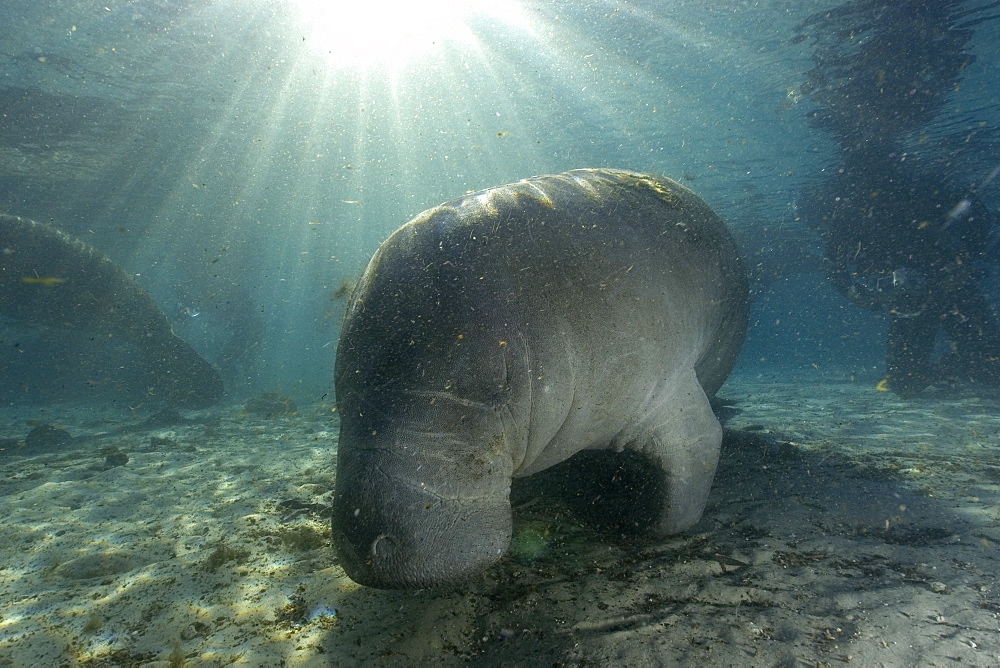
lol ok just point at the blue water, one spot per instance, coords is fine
(243, 160)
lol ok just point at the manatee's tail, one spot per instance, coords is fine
(178, 374)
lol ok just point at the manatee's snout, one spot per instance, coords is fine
(390, 533)
(422, 497)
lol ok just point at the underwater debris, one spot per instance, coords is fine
(46, 281)
(157, 442)
(302, 538)
(165, 418)
(531, 542)
(93, 624)
(793, 559)
(296, 612)
(912, 535)
(293, 508)
(97, 565)
(195, 630)
(169, 444)
(222, 555)
(114, 457)
(344, 290)
(270, 405)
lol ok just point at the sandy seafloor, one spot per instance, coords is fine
(845, 526)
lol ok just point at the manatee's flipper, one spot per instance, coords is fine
(684, 445)
(50, 278)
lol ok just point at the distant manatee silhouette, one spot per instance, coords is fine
(48, 277)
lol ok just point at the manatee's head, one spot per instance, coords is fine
(427, 363)
(416, 506)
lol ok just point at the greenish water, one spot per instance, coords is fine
(243, 160)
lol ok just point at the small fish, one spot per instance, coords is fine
(47, 281)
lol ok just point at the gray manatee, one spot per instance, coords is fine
(48, 277)
(499, 334)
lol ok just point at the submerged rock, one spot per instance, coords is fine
(114, 457)
(45, 438)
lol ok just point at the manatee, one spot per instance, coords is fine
(50, 278)
(499, 334)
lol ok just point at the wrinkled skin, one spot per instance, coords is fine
(501, 333)
(89, 292)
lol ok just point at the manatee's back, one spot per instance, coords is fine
(508, 258)
(617, 223)
(50, 278)
(599, 240)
